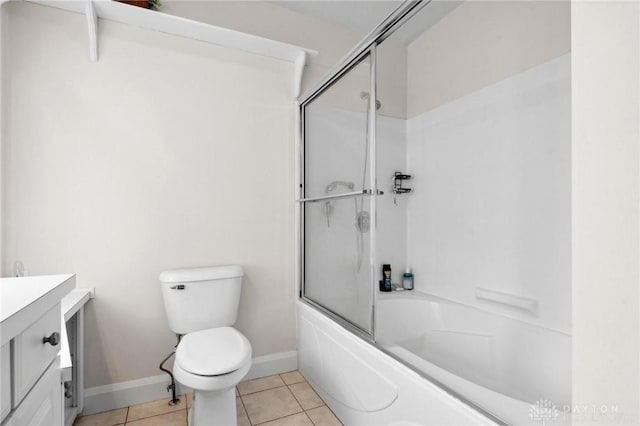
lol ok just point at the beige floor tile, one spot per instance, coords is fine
(299, 419)
(257, 385)
(237, 393)
(305, 395)
(177, 418)
(108, 418)
(270, 404)
(322, 416)
(292, 377)
(153, 408)
(243, 419)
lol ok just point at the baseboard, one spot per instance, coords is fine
(124, 394)
(268, 365)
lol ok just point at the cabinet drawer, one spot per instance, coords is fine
(31, 355)
(43, 405)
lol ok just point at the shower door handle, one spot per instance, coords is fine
(364, 192)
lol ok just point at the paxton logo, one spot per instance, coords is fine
(543, 411)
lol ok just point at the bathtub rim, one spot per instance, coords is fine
(421, 295)
(355, 331)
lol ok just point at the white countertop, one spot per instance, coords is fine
(24, 299)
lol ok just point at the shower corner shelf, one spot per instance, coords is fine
(397, 188)
(178, 26)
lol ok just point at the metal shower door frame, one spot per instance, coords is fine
(372, 192)
(366, 48)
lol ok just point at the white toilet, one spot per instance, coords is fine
(212, 357)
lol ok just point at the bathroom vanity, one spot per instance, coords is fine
(31, 337)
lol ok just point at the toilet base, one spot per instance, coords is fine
(215, 408)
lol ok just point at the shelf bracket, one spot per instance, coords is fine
(92, 26)
(298, 70)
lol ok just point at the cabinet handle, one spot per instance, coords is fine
(53, 340)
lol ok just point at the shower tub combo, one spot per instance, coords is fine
(484, 222)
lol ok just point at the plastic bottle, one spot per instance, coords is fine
(386, 276)
(407, 279)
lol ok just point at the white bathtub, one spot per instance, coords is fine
(365, 386)
(499, 364)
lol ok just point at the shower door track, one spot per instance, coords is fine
(400, 15)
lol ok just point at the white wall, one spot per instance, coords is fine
(166, 153)
(331, 41)
(605, 43)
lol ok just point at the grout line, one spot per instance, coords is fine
(314, 391)
(154, 415)
(283, 417)
(294, 397)
(334, 414)
(288, 384)
(305, 413)
(245, 409)
(310, 419)
(277, 418)
(251, 393)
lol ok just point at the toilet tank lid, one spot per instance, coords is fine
(201, 274)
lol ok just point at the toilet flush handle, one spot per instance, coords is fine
(178, 287)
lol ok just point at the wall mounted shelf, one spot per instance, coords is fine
(181, 27)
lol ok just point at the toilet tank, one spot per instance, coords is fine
(200, 298)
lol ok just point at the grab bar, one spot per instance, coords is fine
(364, 192)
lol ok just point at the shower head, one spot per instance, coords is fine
(365, 96)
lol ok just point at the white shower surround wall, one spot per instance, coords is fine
(490, 215)
(501, 155)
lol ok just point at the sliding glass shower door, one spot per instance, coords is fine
(338, 202)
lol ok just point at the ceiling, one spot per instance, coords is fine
(362, 16)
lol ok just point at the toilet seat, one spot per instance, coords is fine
(213, 352)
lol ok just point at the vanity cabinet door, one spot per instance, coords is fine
(43, 404)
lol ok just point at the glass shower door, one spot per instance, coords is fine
(337, 202)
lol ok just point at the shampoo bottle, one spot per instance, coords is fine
(386, 276)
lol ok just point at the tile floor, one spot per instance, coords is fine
(281, 400)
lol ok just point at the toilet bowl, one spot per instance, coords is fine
(212, 357)
(212, 362)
